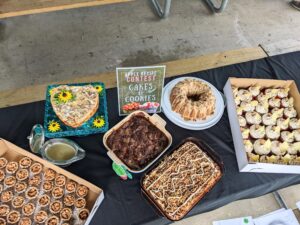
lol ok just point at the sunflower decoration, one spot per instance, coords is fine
(99, 88)
(53, 126)
(65, 96)
(51, 92)
(99, 122)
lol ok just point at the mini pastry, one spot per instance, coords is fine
(242, 121)
(271, 92)
(31, 193)
(262, 107)
(82, 191)
(253, 157)
(6, 196)
(245, 132)
(290, 112)
(262, 98)
(2, 175)
(22, 174)
(269, 119)
(47, 186)
(283, 123)
(25, 221)
(245, 95)
(3, 162)
(55, 207)
(274, 102)
(71, 186)
(28, 209)
(18, 202)
(262, 147)
(254, 90)
(287, 159)
(249, 106)
(35, 180)
(237, 100)
(1, 188)
(287, 136)
(4, 210)
(13, 217)
(278, 112)
(49, 174)
(253, 118)
(81, 202)
(257, 131)
(240, 111)
(69, 200)
(248, 146)
(294, 148)
(40, 217)
(287, 102)
(2, 221)
(60, 180)
(25, 162)
(57, 192)
(297, 135)
(83, 214)
(20, 187)
(273, 132)
(36, 168)
(44, 200)
(294, 123)
(65, 214)
(283, 92)
(11, 167)
(53, 220)
(283, 147)
(10, 181)
(279, 148)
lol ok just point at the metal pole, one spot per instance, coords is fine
(217, 9)
(162, 12)
(279, 200)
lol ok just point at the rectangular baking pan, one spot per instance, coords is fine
(156, 120)
(204, 147)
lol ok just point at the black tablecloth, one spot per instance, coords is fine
(124, 203)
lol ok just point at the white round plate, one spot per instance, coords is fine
(191, 125)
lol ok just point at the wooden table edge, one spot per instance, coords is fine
(174, 68)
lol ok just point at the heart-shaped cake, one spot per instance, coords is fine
(74, 105)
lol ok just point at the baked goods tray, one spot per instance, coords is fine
(158, 171)
(98, 123)
(13, 155)
(154, 120)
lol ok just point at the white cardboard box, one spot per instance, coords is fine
(243, 163)
(237, 221)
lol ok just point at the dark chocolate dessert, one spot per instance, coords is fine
(137, 142)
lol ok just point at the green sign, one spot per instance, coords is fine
(140, 88)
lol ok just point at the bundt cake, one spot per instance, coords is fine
(192, 99)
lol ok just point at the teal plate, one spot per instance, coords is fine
(54, 128)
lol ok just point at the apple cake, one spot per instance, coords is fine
(181, 180)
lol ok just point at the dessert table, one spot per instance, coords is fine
(124, 203)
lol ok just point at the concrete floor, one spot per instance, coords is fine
(40, 48)
(57, 46)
